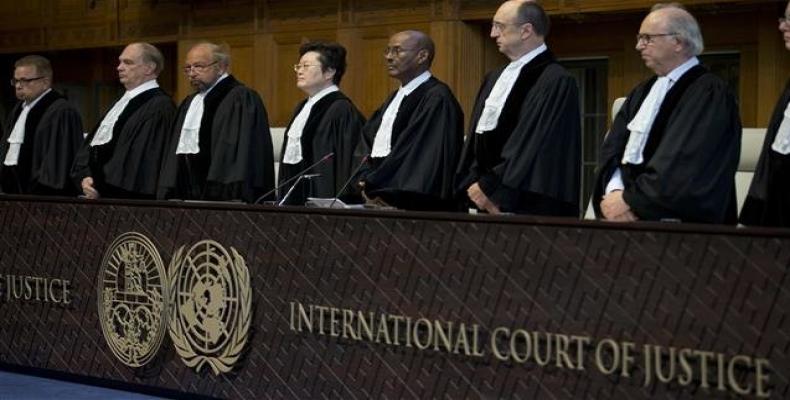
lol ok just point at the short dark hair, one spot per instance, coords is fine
(532, 13)
(330, 54)
(42, 65)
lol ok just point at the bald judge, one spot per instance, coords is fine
(121, 157)
(523, 154)
(673, 148)
(414, 139)
(220, 148)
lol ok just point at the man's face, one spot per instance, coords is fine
(784, 27)
(508, 31)
(404, 58)
(201, 69)
(660, 49)
(29, 84)
(309, 76)
(132, 71)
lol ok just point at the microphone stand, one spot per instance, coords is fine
(288, 194)
(295, 177)
(350, 178)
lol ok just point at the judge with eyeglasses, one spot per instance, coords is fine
(673, 148)
(220, 148)
(42, 134)
(326, 122)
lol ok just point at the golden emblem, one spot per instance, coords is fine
(132, 290)
(211, 298)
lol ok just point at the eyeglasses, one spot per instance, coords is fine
(500, 26)
(197, 67)
(297, 67)
(24, 81)
(396, 50)
(649, 38)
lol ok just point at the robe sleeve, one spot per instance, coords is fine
(341, 128)
(137, 157)
(62, 137)
(242, 154)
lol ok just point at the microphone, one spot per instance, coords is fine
(293, 178)
(350, 178)
(303, 176)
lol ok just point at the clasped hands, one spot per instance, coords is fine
(614, 208)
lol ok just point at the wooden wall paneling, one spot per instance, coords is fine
(213, 18)
(296, 16)
(265, 58)
(22, 26)
(79, 23)
(152, 20)
(460, 59)
(384, 12)
(354, 83)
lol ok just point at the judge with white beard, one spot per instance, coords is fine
(220, 148)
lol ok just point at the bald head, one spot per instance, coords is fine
(409, 54)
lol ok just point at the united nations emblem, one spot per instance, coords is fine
(132, 292)
(211, 297)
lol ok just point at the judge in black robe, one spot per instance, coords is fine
(235, 160)
(427, 134)
(530, 162)
(53, 133)
(692, 149)
(127, 166)
(332, 126)
(768, 201)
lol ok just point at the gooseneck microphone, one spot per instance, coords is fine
(350, 178)
(288, 194)
(295, 177)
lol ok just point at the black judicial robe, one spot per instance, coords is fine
(690, 158)
(334, 126)
(531, 162)
(53, 134)
(235, 161)
(128, 165)
(427, 136)
(768, 201)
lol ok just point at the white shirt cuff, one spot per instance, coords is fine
(616, 182)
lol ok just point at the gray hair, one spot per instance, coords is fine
(152, 55)
(42, 65)
(684, 25)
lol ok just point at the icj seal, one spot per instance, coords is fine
(211, 296)
(132, 291)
